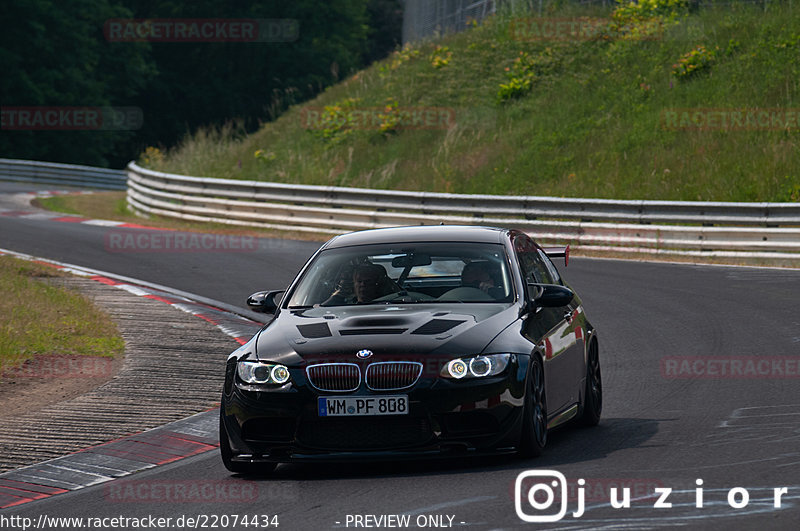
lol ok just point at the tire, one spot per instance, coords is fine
(534, 425)
(593, 392)
(227, 456)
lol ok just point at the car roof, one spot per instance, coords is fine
(420, 233)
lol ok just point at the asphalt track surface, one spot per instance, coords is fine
(660, 429)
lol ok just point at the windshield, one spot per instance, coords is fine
(410, 273)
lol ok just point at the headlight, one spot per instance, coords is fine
(475, 367)
(254, 372)
(456, 369)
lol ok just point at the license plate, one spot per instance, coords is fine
(358, 406)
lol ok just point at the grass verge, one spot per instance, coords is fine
(42, 319)
(570, 117)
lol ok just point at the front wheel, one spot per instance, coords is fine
(534, 426)
(593, 393)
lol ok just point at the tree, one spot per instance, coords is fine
(53, 54)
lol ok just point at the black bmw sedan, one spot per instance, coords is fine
(427, 341)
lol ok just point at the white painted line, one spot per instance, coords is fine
(133, 289)
(103, 223)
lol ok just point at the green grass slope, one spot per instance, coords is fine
(572, 117)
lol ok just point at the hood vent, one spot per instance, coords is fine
(371, 331)
(437, 326)
(384, 321)
(315, 330)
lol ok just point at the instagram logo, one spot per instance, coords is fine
(539, 490)
(541, 496)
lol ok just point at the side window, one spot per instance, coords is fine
(551, 268)
(531, 263)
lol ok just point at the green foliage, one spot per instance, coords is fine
(791, 189)
(212, 83)
(441, 57)
(792, 41)
(385, 28)
(521, 77)
(265, 157)
(42, 319)
(644, 19)
(390, 118)
(151, 157)
(397, 59)
(629, 10)
(523, 73)
(693, 62)
(336, 121)
(590, 123)
(56, 54)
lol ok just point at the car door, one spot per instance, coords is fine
(573, 333)
(553, 329)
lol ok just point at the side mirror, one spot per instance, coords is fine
(550, 295)
(265, 301)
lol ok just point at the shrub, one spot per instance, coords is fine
(336, 121)
(390, 117)
(693, 62)
(645, 19)
(441, 57)
(524, 72)
(151, 157)
(264, 156)
(399, 58)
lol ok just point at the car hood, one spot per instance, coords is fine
(337, 333)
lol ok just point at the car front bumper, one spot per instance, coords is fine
(445, 418)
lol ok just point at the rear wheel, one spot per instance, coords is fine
(227, 456)
(534, 426)
(593, 393)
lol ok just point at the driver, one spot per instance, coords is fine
(370, 281)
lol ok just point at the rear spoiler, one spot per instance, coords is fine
(558, 252)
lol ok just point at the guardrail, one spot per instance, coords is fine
(62, 174)
(770, 230)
